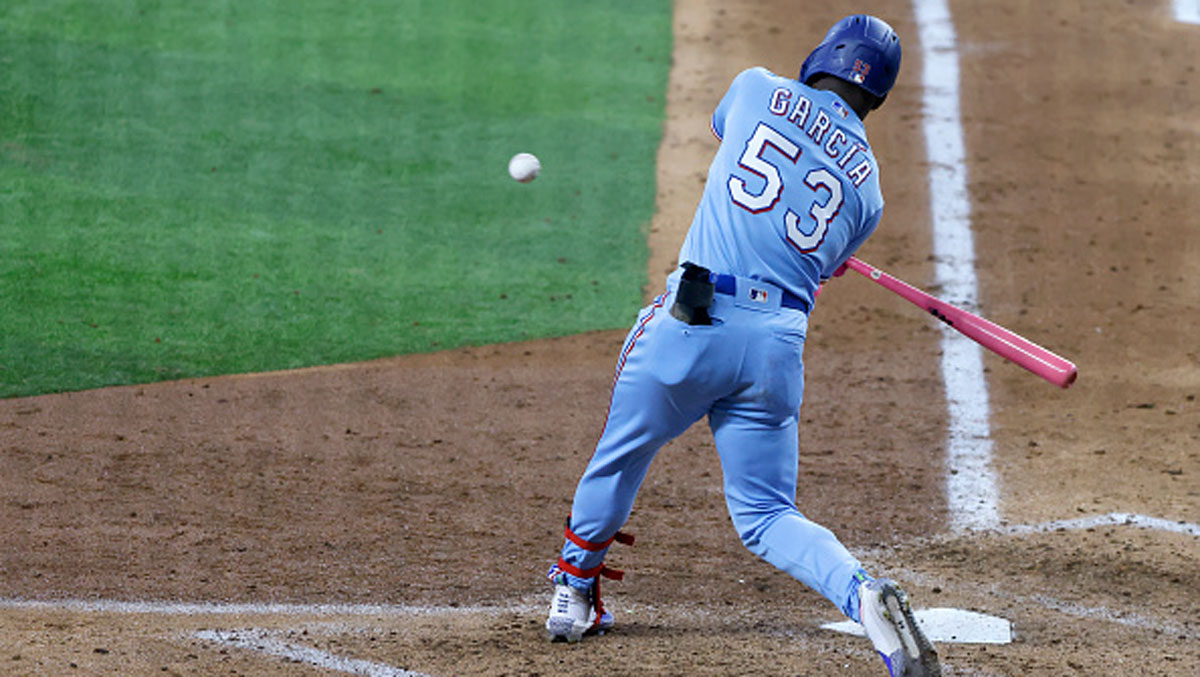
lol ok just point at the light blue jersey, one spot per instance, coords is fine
(793, 190)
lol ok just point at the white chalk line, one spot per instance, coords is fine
(262, 640)
(267, 642)
(1090, 613)
(170, 608)
(1074, 609)
(971, 491)
(1186, 11)
(1111, 519)
(1102, 613)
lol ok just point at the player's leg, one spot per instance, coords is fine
(756, 436)
(759, 462)
(757, 442)
(652, 402)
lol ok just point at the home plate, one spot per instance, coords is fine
(951, 626)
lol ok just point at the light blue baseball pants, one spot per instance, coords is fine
(745, 372)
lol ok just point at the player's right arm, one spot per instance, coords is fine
(838, 266)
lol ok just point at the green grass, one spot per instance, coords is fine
(198, 188)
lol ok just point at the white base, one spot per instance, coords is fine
(948, 626)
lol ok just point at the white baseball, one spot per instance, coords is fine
(524, 167)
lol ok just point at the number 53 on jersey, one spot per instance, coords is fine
(764, 153)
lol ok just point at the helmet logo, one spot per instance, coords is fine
(861, 69)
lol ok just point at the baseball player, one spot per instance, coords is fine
(791, 194)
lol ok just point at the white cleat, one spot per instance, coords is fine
(889, 623)
(570, 615)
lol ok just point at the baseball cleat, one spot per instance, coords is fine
(603, 623)
(887, 617)
(570, 614)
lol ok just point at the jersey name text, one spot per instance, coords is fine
(818, 125)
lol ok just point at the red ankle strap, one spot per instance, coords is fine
(619, 537)
(602, 570)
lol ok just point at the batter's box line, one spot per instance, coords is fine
(1111, 519)
(269, 642)
(169, 608)
(1093, 613)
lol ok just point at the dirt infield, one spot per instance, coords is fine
(399, 515)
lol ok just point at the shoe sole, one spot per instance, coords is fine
(562, 629)
(924, 657)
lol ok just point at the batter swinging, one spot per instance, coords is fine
(792, 192)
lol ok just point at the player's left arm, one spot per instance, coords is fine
(717, 123)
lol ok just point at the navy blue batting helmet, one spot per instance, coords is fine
(860, 49)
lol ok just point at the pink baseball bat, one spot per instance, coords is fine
(1055, 369)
